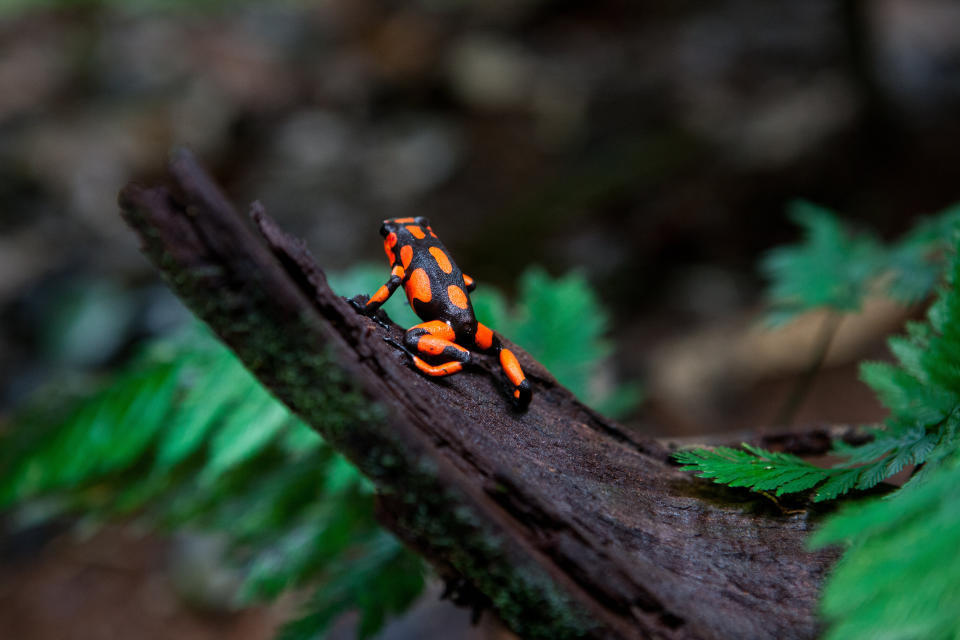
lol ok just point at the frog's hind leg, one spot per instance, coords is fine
(436, 339)
(487, 340)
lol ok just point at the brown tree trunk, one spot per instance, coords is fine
(561, 520)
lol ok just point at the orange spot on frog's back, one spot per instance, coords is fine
(416, 231)
(457, 296)
(442, 260)
(418, 286)
(406, 255)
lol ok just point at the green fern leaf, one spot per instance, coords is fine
(831, 268)
(900, 577)
(909, 351)
(215, 384)
(245, 434)
(382, 582)
(909, 400)
(837, 269)
(838, 484)
(753, 468)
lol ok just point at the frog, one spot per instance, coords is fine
(439, 293)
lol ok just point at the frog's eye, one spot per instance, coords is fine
(423, 221)
(384, 230)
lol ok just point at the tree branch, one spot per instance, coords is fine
(564, 522)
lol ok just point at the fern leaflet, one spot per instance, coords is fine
(835, 268)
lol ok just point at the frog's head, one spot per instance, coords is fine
(413, 226)
(403, 231)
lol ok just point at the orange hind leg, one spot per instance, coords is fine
(487, 340)
(435, 338)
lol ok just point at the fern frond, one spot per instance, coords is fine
(922, 394)
(753, 468)
(383, 582)
(900, 577)
(835, 268)
(561, 322)
(762, 470)
(910, 401)
(98, 439)
(921, 391)
(187, 435)
(831, 268)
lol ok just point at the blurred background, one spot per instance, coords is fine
(652, 149)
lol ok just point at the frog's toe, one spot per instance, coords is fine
(522, 394)
(359, 303)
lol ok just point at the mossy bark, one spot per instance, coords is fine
(562, 521)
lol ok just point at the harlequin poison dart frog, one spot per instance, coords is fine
(438, 292)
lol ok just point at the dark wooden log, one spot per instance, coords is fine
(562, 521)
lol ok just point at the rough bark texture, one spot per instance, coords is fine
(561, 520)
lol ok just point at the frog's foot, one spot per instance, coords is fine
(359, 304)
(394, 343)
(522, 394)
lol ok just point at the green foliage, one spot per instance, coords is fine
(761, 470)
(184, 436)
(757, 469)
(562, 324)
(380, 582)
(831, 268)
(900, 576)
(837, 269)
(922, 393)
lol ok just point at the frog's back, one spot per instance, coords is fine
(433, 282)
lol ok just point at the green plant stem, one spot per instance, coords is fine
(801, 389)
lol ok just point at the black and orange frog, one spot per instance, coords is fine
(438, 292)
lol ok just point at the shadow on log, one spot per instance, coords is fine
(559, 519)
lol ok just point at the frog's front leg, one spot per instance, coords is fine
(435, 338)
(382, 294)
